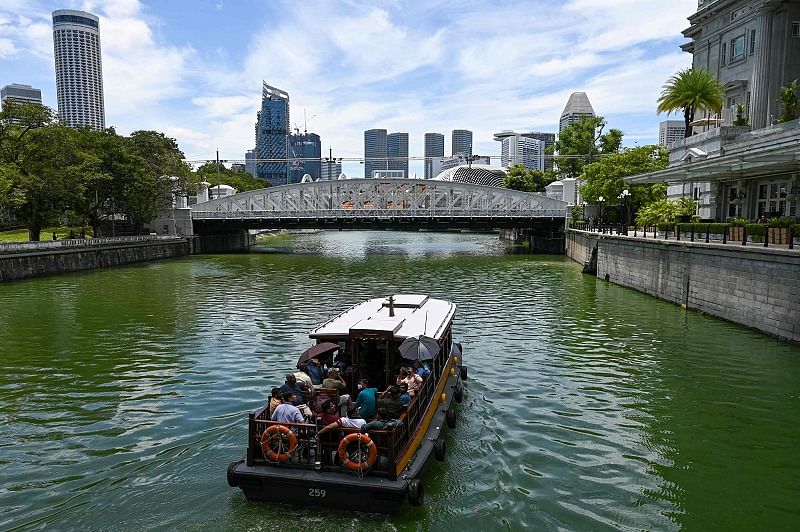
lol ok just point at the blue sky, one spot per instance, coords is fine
(193, 69)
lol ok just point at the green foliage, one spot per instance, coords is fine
(738, 222)
(49, 172)
(790, 100)
(664, 212)
(520, 178)
(701, 228)
(241, 181)
(691, 90)
(577, 213)
(756, 229)
(741, 116)
(581, 143)
(780, 221)
(604, 177)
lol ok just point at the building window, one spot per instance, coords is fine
(737, 48)
(724, 53)
(796, 29)
(752, 41)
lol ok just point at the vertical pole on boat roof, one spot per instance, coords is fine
(391, 305)
(425, 328)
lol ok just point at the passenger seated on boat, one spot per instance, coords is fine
(315, 371)
(391, 402)
(328, 413)
(303, 377)
(274, 400)
(342, 362)
(404, 395)
(366, 400)
(413, 380)
(335, 381)
(343, 423)
(286, 412)
(421, 368)
(381, 422)
(292, 385)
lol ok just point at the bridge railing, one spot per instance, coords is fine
(377, 213)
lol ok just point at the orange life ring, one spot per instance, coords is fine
(366, 441)
(272, 443)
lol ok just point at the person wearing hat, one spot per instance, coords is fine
(336, 382)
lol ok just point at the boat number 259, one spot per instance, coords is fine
(316, 492)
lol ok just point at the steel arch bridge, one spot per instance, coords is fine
(377, 203)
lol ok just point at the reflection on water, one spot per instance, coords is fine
(124, 393)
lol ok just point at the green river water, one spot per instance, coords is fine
(124, 393)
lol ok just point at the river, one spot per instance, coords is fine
(124, 393)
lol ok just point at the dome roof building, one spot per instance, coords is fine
(477, 174)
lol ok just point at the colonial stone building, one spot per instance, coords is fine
(753, 48)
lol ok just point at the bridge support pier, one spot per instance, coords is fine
(543, 238)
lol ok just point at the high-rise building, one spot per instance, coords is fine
(577, 107)
(250, 162)
(669, 131)
(549, 139)
(462, 142)
(330, 169)
(434, 151)
(375, 151)
(20, 93)
(79, 68)
(519, 148)
(304, 157)
(397, 151)
(272, 136)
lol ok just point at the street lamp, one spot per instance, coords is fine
(624, 197)
(584, 210)
(600, 200)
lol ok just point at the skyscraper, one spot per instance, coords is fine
(462, 142)
(330, 168)
(305, 151)
(520, 149)
(375, 151)
(250, 162)
(577, 107)
(79, 68)
(669, 131)
(434, 151)
(20, 93)
(272, 135)
(397, 150)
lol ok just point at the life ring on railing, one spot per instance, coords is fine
(273, 443)
(361, 466)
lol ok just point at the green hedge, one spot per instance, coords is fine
(718, 228)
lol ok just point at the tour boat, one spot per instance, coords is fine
(376, 470)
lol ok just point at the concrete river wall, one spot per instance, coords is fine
(35, 259)
(755, 287)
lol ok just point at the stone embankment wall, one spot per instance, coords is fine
(49, 260)
(754, 287)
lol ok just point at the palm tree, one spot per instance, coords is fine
(691, 89)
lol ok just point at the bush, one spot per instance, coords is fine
(715, 228)
(738, 222)
(780, 221)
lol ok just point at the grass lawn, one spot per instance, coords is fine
(21, 235)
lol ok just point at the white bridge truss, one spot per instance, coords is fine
(379, 200)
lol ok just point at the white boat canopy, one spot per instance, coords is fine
(414, 314)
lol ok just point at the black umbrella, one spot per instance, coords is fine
(317, 350)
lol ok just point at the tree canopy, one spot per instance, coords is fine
(520, 178)
(581, 143)
(691, 90)
(49, 172)
(604, 176)
(241, 181)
